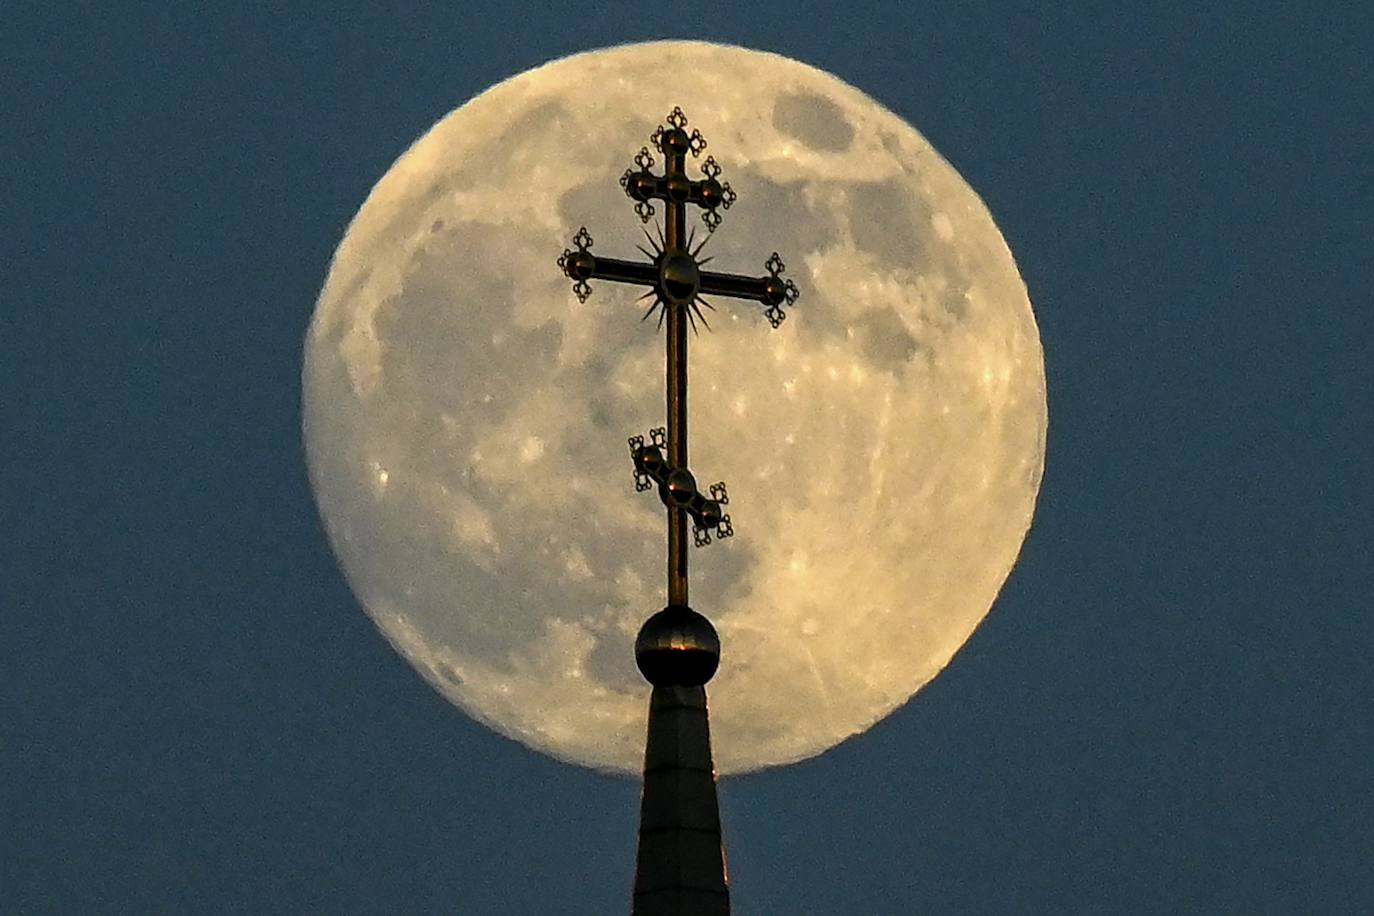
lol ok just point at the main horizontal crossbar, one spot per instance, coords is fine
(737, 286)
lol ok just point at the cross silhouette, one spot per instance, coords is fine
(677, 284)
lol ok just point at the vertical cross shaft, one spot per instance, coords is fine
(674, 230)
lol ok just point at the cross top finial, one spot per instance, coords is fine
(674, 143)
(675, 276)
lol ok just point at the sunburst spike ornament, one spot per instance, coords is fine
(697, 311)
(657, 246)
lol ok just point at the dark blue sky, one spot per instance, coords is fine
(1170, 709)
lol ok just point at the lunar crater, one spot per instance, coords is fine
(885, 340)
(813, 120)
(891, 226)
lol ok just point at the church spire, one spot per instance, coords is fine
(680, 869)
(680, 866)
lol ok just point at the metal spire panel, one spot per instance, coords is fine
(680, 867)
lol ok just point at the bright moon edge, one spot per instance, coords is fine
(911, 376)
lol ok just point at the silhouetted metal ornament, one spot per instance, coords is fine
(676, 275)
(707, 513)
(677, 647)
(774, 291)
(580, 265)
(679, 488)
(650, 460)
(680, 869)
(679, 277)
(638, 185)
(711, 193)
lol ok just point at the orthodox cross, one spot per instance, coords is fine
(677, 285)
(680, 864)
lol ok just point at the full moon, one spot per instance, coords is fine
(466, 417)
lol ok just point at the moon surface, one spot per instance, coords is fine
(466, 417)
